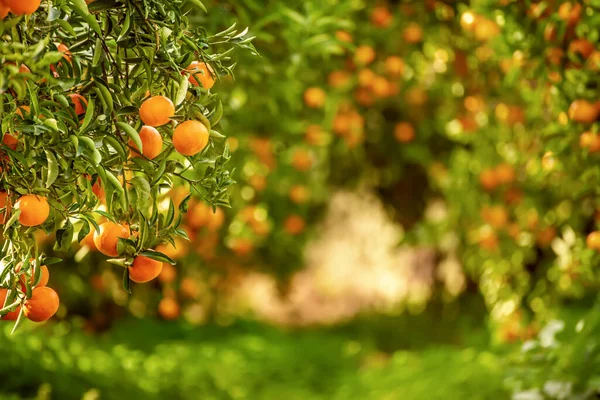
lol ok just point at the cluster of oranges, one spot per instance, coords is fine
(188, 138)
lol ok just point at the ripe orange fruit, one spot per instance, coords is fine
(593, 240)
(151, 143)
(201, 74)
(4, 10)
(489, 179)
(301, 160)
(486, 29)
(505, 173)
(314, 97)
(168, 308)
(404, 132)
(190, 138)
(591, 141)
(582, 47)
(10, 141)
(168, 274)
(189, 288)
(381, 17)
(42, 305)
(13, 315)
(343, 36)
(22, 7)
(299, 194)
(314, 135)
(157, 111)
(394, 66)
(583, 111)
(44, 275)
(496, 216)
(366, 77)
(294, 224)
(79, 103)
(413, 33)
(364, 55)
(65, 50)
(3, 204)
(338, 79)
(489, 241)
(107, 237)
(144, 269)
(570, 13)
(34, 210)
(545, 236)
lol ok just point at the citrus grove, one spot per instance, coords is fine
(104, 105)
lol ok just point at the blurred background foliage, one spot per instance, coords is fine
(416, 188)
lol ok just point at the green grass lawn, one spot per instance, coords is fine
(156, 360)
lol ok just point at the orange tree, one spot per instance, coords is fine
(103, 106)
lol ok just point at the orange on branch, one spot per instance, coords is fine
(42, 305)
(404, 132)
(79, 103)
(44, 275)
(593, 240)
(157, 111)
(10, 141)
(413, 33)
(364, 55)
(168, 308)
(583, 111)
(582, 47)
(34, 209)
(144, 269)
(152, 143)
(12, 315)
(107, 236)
(201, 74)
(394, 66)
(190, 137)
(381, 17)
(22, 7)
(302, 160)
(315, 97)
(294, 224)
(343, 36)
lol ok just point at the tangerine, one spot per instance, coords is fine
(34, 209)
(190, 138)
(157, 111)
(144, 269)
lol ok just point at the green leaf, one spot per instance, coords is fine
(126, 281)
(182, 91)
(132, 133)
(15, 215)
(64, 237)
(126, 247)
(107, 99)
(84, 231)
(117, 145)
(158, 256)
(217, 115)
(198, 4)
(89, 114)
(144, 197)
(52, 168)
